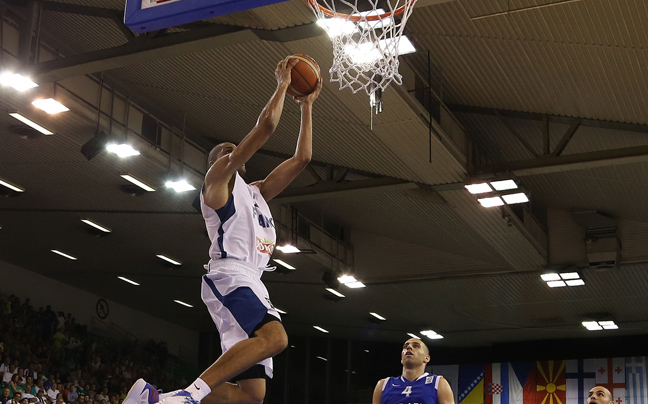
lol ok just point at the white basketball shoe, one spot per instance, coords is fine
(142, 393)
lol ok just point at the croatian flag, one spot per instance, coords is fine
(581, 377)
(496, 376)
(637, 380)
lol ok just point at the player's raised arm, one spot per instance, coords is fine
(223, 168)
(444, 392)
(377, 394)
(287, 171)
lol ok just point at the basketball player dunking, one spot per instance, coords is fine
(242, 233)
(414, 385)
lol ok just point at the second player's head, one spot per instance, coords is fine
(415, 353)
(221, 150)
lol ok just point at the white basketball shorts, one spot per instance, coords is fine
(237, 301)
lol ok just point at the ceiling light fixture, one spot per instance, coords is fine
(137, 182)
(50, 105)
(570, 275)
(12, 186)
(478, 188)
(347, 279)
(288, 249)
(504, 185)
(318, 328)
(355, 285)
(284, 264)
(431, 334)
(556, 284)
(122, 150)
(180, 185)
(491, 202)
(171, 260)
(558, 280)
(413, 335)
(378, 316)
(335, 292)
(322, 358)
(550, 277)
(30, 123)
(183, 303)
(96, 225)
(64, 255)
(519, 197)
(17, 81)
(128, 280)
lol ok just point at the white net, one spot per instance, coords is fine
(366, 40)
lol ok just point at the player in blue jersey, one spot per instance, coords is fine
(414, 385)
(599, 395)
(242, 232)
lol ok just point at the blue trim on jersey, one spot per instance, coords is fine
(224, 213)
(244, 305)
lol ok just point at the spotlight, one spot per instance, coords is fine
(95, 145)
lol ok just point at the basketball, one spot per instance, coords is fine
(304, 75)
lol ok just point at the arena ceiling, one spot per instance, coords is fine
(554, 95)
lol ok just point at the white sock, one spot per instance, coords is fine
(198, 389)
(169, 394)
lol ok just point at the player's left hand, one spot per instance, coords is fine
(310, 98)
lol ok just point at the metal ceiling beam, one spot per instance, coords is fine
(580, 161)
(332, 189)
(145, 49)
(595, 123)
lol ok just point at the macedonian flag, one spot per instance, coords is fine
(551, 382)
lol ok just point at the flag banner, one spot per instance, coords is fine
(471, 384)
(581, 377)
(610, 373)
(637, 380)
(551, 382)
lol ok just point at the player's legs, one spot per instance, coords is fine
(268, 341)
(250, 391)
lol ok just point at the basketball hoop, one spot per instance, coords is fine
(366, 42)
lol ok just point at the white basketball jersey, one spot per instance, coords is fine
(242, 229)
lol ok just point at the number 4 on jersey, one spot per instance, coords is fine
(407, 391)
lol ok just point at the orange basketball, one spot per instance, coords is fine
(304, 75)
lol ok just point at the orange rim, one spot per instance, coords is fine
(355, 18)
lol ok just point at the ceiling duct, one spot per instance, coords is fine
(602, 245)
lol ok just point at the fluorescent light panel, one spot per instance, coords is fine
(335, 292)
(137, 182)
(288, 249)
(491, 202)
(431, 334)
(504, 185)
(322, 358)
(575, 282)
(183, 303)
(569, 275)
(17, 81)
(128, 280)
(284, 264)
(347, 279)
(122, 150)
(12, 186)
(31, 123)
(478, 188)
(556, 284)
(180, 185)
(64, 255)
(318, 328)
(354, 285)
(413, 335)
(171, 260)
(600, 325)
(50, 105)
(378, 316)
(550, 277)
(96, 226)
(515, 198)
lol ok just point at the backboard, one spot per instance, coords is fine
(150, 15)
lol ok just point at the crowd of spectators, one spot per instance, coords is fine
(47, 357)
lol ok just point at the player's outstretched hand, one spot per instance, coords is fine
(308, 99)
(282, 73)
